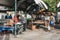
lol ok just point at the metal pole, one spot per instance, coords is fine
(15, 14)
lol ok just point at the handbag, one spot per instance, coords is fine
(51, 22)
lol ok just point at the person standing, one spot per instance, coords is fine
(52, 22)
(6, 17)
(47, 22)
(10, 16)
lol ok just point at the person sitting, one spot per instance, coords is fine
(15, 19)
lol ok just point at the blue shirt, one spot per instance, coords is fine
(9, 17)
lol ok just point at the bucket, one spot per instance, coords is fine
(33, 27)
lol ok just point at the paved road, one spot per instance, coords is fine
(39, 34)
(4, 37)
(1, 37)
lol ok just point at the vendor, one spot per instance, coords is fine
(8, 16)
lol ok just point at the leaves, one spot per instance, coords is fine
(52, 4)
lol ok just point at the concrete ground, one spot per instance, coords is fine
(38, 34)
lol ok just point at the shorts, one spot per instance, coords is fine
(52, 25)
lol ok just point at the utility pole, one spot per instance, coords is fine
(15, 14)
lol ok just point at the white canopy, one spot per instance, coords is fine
(58, 5)
(40, 2)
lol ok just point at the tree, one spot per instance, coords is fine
(52, 4)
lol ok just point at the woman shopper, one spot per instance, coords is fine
(52, 22)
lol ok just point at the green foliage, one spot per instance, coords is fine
(52, 4)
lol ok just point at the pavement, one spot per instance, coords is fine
(38, 34)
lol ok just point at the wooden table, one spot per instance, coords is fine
(36, 22)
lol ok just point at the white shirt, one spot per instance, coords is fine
(47, 18)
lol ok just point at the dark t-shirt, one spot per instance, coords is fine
(6, 17)
(10, 17)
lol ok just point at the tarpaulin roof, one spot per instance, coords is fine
(7, 2)
(21, 4)
(11, 2)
